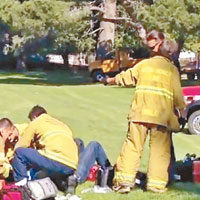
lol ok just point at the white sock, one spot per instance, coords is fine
(22, 182)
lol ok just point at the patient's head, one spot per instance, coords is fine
(8, 131)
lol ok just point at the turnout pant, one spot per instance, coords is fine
(128, 161)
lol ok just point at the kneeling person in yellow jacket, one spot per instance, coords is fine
(55, 150)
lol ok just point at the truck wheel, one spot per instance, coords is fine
(191, 76)
(97, 75)
(194, 123)
(198, 75)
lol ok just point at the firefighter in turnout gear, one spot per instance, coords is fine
(158, 93)
(46, 145)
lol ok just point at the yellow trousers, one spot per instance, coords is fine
(128, 161)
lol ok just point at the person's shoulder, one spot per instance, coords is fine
(141, 63)
(46, 118)
(164, 59)
(21, 127)
(43, 116)
(144, 60)
(159, 57)
(151, 59)
(40, 119)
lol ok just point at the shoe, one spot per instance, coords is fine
(156, 190)
(22, 182)
(72, 183)
(72, 197)
(122, 189)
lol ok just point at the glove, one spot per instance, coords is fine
(5, 169)
(104, 80)
(182, 122)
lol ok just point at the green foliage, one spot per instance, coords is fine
(36, 18)
(70, 22)
(176, 18)
(125, 36)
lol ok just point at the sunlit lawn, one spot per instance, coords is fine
(94, 112)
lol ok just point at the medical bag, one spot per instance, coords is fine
(13, 192)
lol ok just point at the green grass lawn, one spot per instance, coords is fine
(94, 112)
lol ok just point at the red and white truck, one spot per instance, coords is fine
(192, 111)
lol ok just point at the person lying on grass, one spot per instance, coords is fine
(9, 135)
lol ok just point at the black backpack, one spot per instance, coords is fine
(184, 168)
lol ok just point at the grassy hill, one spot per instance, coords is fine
(94, 112)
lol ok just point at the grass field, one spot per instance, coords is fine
(94, 112)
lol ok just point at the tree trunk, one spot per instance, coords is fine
(107, 33)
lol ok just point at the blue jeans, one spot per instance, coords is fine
(28, 158)
(93, 152)
(80, 144)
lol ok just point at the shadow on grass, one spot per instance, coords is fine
(57, 77)
(185, 131)
(187, 187)
(190, 82)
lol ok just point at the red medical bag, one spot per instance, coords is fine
(196, 171)
(13, 192)
(92, 176)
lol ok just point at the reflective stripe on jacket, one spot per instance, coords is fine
(158, 92)
(55, 137)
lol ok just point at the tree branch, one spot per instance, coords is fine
(136, 25)
(141, 31)
(118, 20)
(99, 29)
(95, 8)
(90, 33)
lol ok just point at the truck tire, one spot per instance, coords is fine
(198, 75)
(194, 123)
(190, 76)
(97, 75)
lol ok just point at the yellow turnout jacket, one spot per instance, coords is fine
(7, 152)
(55, 139)
(158, 92)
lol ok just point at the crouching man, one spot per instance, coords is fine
(55, 150)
